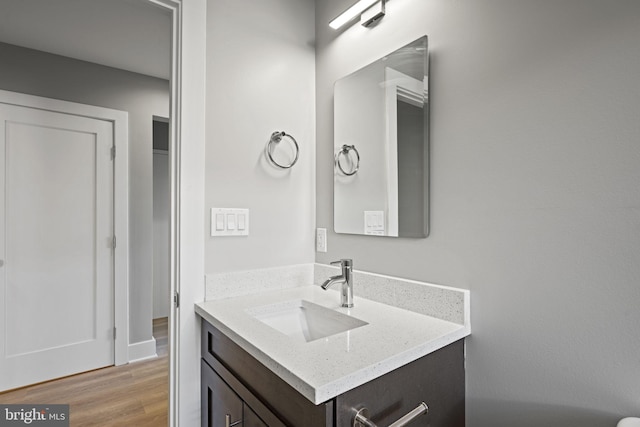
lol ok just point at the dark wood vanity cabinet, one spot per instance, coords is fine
(235, 384)
(224, 408)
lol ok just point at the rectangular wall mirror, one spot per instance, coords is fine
(381, 146)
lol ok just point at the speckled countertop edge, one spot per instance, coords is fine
(325, 368)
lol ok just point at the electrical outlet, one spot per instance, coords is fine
(321, 240)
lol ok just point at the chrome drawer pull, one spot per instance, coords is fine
(362, 417)
(228, 423)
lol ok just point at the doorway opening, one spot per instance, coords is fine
(172, 9)
(161, 221)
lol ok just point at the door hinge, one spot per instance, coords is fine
(114, 242)
(114, 332)
(176, 299)
(113, 152)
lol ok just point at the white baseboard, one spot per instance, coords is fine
(142, 350)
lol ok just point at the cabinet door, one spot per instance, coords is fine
(221, 407)
(251, 419)
(276, 402)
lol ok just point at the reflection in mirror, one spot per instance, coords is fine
(381, 146)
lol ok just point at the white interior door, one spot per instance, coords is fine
(56, 245)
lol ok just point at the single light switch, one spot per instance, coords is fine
(219, 222)
(241, 221)
(231, 221)
(379, 220)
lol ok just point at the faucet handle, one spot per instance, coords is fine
(344, 262)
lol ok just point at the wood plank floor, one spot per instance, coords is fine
(133, 395)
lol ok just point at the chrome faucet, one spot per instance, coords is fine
(346, 279)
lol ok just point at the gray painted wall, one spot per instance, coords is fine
(535, 195)
(37, 73)
(260, 79)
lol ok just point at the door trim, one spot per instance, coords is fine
(174, 7)
(187, 229)
(120, 121)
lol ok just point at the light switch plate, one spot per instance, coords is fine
(229, 222)
(374, 223)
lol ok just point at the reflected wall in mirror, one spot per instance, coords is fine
(381, 147)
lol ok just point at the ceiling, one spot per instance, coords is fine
(132, 35)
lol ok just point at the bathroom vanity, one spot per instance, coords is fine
(236, 385)
(258, 372)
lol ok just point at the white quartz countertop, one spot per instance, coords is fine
(327, 367)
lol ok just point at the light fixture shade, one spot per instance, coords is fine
(351, 13)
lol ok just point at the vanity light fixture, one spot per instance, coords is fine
(370, 12)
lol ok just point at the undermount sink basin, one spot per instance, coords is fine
(304, 320)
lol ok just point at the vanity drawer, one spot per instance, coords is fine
(437, 379)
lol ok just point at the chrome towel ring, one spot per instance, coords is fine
(276, 137)
(344, 151)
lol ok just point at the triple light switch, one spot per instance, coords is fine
(229, 222)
